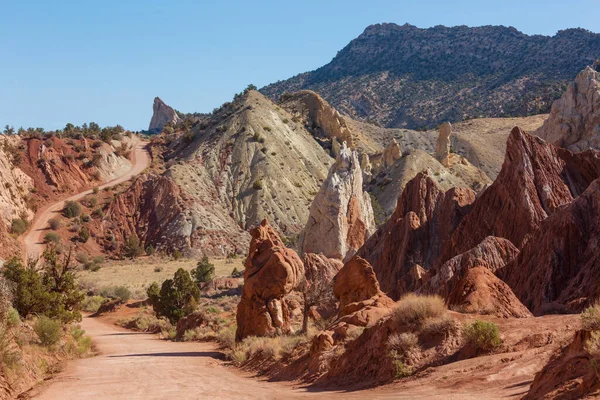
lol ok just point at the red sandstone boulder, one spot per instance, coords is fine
(424, 220)
(481, 292)
(558, 269)
(272, 272)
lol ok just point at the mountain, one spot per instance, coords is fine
(404, 76)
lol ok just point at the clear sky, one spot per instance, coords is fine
(105, 61)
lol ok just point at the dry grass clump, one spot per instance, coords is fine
(144, 322)
(590, 318)
(592, 345)
(403, 343)
(274, 348)
(440, 326)
(412, 310)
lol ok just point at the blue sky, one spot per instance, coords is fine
(105, 61)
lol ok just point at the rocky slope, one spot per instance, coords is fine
(574, 121)
(403, 76)
(162, 115)
(341, 217)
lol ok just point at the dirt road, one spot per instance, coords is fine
(33, 239)
(141, 366)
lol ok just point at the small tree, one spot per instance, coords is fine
(71, 209)
(204, 271)
(54, 223)
(176, 297)
(131, 248)
(314, 292)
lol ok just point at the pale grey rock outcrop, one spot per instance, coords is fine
(162, 115)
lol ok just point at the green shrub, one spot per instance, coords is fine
(177, 254)
(84, 234)
(12, 318)
(590, 318)
(54, 223)
(176, 297)
(92, 303)
(123, 293)
(131, 248)
(413, 310)
(19, 226)
(48, 330)
(51, 237)
(204, 271)
(484, 336)
(150, 250)
(257, 185)
(236, 274)
(71, 209)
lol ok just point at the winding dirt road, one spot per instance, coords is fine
(33, 239)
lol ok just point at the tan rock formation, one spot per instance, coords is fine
(14, 183)
(341, 217)
(442, 146)
(574, 121)
(162, 114)
(391, 153)
(272, 271)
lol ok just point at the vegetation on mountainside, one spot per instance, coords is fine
(417, 78)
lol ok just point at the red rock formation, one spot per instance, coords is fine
(559, 267)
(272, 271)
(535, 180)
(481, 292)
(424, 219)
(156, 210)
(570, 374)
(492, 253)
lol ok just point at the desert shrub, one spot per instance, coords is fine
(592, 345)
(413, 310)
(19, 226)
(590, 318)
(177, 254)
(83, 235)
(83, 343)
(401, 370)
(146, 323)
(158, 269)
(257, 185)
(51, 237)
(484, 336)
(236, 274)
(50, 292)
(204, 271)
(12, 317)
(96, 190)
(150, 250)
(275, 347)
(85, 217)
(176, 297)
(131, 248)
(123, 293)
(226, 336)
(54, 223)
(48, 330)
(92, 303)
(82, 258)
(441, 326)
(71, 209)
(403, 343)
(98, 213)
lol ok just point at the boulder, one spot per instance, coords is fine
(574, 121)
(272, 272)
(162, 114)
(341, 218)
(442, 145)
(479, 291)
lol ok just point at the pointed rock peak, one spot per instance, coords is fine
(442, 147)
(162, 115)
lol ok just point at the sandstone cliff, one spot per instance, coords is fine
(341, 217)
(574, 120)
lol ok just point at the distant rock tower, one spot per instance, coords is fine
(162, 115)
(442, 147)
(341, 217)
(391, 153)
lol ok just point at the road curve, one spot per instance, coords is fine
(32, 241)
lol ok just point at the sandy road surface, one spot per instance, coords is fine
(32, 240)
(135, 365)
